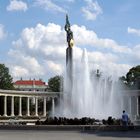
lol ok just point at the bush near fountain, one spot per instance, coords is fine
(79, 121)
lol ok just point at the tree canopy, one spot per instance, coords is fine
(55, 83)
(132, 78)
(5, 78)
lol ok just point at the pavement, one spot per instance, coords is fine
(67, 135)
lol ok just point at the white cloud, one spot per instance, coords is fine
(38, 45)
(40, 51)
(91, 10)
(136, 53)
(18, 71)
(49, 5)
(114, 69)
(17, 5)
(2, 32)
(55, 68)
(26, 63)
(133, 31)
(88, 37)
(99, 57)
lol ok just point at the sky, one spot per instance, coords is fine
(33, 39)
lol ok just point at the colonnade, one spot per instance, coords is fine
(131, 104)
(28, 112)
(29, 96)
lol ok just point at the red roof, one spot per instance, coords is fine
(30, 82)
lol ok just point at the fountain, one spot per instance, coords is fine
(87, 94)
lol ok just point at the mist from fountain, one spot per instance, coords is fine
(92, 94)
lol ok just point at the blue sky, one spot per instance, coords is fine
(32, 36)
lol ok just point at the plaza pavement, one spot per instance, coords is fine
(67, 135)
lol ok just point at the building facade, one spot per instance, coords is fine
(30, 85)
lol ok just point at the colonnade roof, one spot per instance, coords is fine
(28, 93)
(131, 92)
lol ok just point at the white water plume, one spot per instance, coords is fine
(92, 95)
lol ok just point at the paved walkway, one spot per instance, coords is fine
(66, 135)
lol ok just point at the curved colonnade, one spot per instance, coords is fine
(45, 96)
(131, 103)
(130, 100)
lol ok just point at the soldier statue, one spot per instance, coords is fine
(69, 33)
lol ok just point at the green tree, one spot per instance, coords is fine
(132, 78)
(5, 78)
(55, 83)
(5, 83)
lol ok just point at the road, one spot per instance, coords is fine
(66, 135)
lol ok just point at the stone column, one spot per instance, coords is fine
(36, 106)
(130, 106)
(137, 105)
(12, 106)
(20, 106)
(28, 106)
(5, 105)
(44, 109)
(122, 103)
(53, 107)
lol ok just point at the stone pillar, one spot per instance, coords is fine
(130, 106)
(5, 105)
(53, 107)
(12, 106)
(137, 105)
(36, 106)
(122, 103)
(44, 108)
(20, 106)
(28, 106)
(69, 69)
